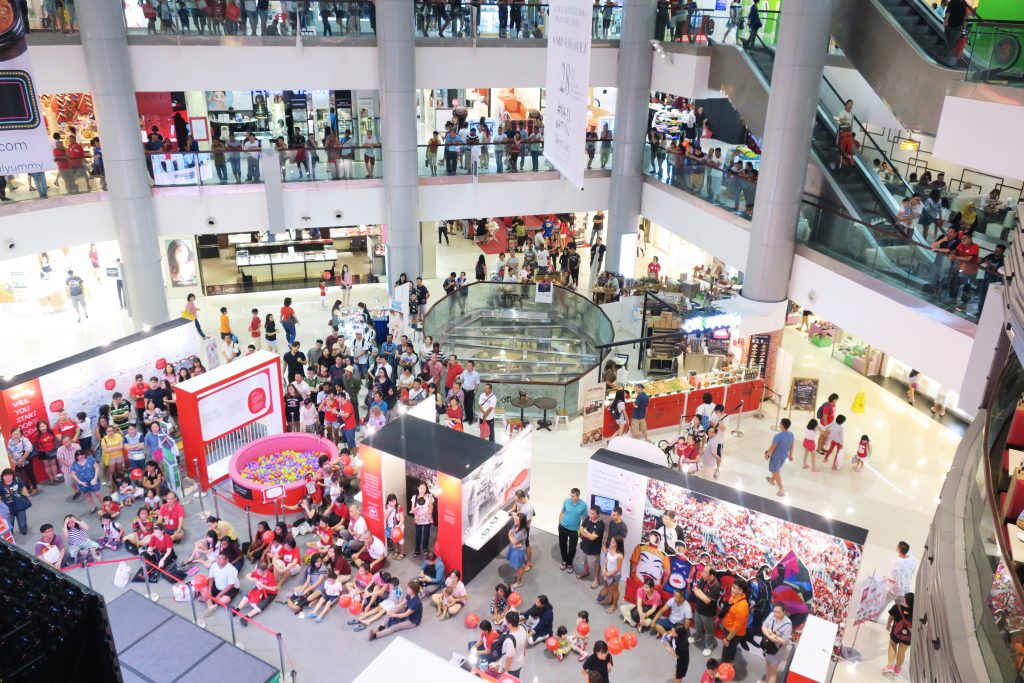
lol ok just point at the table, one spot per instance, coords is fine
(545, 403)
(1016, 545)
(522, 402)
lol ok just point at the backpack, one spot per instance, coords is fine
(821, 412)
(499, 644)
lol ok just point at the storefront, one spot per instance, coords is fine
(229, 263)
(30, 285)
(700, 275)
(523, 106)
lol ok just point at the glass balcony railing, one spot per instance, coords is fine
(679, 25)
(492, 158)
(83, 179)
(890, 252)
(170, 169)
(505, 19)
(52, 17)
(996, 55)
(351, 18)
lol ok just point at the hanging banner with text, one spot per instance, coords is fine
(24, 147)
(568, 76)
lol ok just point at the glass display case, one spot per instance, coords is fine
(282, 262)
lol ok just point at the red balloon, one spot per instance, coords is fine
(200, 581)
(628, 640)
(615, 646)
(583, 629)
(515, 599)
(355, 607)
(611, 633)
(268, 537)
(397, 535)
(472, 620)
(349, 471)
(345, 459)
(136, 474)
(551, 643)
(726, 672)
(344, 600)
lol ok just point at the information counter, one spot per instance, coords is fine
(673, 398)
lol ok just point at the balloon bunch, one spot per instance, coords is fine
(617, 643)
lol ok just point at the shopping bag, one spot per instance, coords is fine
(122, 575)
(182, 592)
(485, 429)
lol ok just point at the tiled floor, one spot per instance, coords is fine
(894, 497)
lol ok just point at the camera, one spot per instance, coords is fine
(337, 215)
(211, 221)
(9, 244)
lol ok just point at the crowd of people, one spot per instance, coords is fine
(254, 17)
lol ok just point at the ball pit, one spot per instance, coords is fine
(280, 460)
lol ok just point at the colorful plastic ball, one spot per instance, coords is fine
(726, 671)
(344, 601)
(611, 633)
(268, 537)
(628, 640)
(615, 646)
(551, 643)
(515, 599)
(583, 629)
(472, 620)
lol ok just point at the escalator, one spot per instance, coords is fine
(899, 47)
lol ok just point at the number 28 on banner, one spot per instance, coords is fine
(568, 78)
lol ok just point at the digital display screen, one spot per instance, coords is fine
(18, 107)
(606, 504)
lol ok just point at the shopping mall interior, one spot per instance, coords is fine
(512, 340)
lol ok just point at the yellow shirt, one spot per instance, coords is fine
(112, 446)
(225, 325)
(224, 528)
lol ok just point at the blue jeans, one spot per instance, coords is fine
(199, 328)
(40, 179)
(22, 521)
(236, 169)
(499, 158)
(222, 172)
(422, 537)
(289, 331)
(350, 437)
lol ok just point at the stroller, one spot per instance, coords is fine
(679, 456)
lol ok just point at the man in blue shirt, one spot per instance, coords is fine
(569, 520)
(389, 349)
(777, 453)
(640, 412)
(451, 150)
(432, 576)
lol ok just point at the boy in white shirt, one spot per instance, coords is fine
(835, 435)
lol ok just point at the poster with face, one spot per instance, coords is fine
(808, 571)
(181, 263)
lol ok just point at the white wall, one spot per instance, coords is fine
(43, 225)
(867, 105)
(511, 198)
(984, 135)
(513, 67)
(59, 68)
(686, 75)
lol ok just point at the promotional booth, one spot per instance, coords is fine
(85, 381)
(275, 470)
(805, 561)
(473, 482)
(223, 410)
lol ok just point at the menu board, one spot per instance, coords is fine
(758, 352)
(803, 394)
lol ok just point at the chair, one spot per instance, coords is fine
(513, 425)
(500, 417)
(561, 417)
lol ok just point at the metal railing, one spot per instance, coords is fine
(504, 19)
(995, 55)
(702, 27)
(304, 164)
(480, 158)
(81, 178)
(353, 18)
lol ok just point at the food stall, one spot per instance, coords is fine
(821, 333)
(733, 386)
(854, 353)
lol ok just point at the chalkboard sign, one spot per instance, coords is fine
(803, 394)
(758, 355)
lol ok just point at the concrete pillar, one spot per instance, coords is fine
(636, 59)
(105, 47)
(396, 65)
(796, 80)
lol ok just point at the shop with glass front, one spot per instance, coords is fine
(30, 285)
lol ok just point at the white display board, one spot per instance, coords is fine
(25, 146)
(628, 488)
(568, 80)
(489, 491)
(813, 655)
(400, 658)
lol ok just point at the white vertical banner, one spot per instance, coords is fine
(24, 147)
(568, 79)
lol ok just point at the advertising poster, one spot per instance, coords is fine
(809, 571)
(544, 293)
(24, 147)
(874, 594)
(182, 264)
(372, 488)
(568, 78)
(593, 414)
(489, 490)
(84, 382)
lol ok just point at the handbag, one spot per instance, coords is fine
(485, 429)
(182, 592)
(122, 575)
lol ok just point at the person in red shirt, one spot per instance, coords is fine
(171, 515)
(137, 393)
(76, 158)
(348, 421)
(337, 515)
(965, 255)
(63, 162)
(330, 407)
(255, 328)
(654, 268)
(288, 561)
(66, 427)
(262, 594)
(46, 445)
(160, 548)
(826, 416)
(454, 370)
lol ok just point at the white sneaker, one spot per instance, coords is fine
(691, 640)
(706, 653)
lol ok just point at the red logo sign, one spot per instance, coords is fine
(257, 401)
(161, 364)
(56, 406)
(109, 385)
